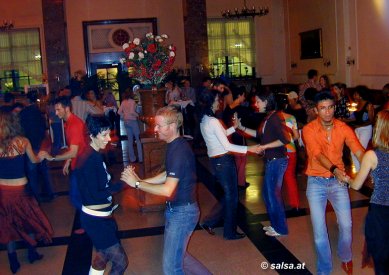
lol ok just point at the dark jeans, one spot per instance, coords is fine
(377, 234)
(36, 171)
(58, 137)
(225, 173)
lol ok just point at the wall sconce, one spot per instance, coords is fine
(350, 61)
(326, 62)
(293, 64)
(6, 26)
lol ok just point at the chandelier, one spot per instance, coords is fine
(6, 26)
(245, 12)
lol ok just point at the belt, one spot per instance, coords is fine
(327, 178)
(270, 159)
(179, 203)
(98, 213)
(219, 156)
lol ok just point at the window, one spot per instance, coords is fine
(20, 59)
(231, 46)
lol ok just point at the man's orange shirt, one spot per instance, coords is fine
(316, 142)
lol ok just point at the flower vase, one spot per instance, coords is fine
(151, 101)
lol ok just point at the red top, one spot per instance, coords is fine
(75, 133)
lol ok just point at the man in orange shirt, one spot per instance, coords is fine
(324, 139)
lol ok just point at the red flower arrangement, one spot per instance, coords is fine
(149, 59)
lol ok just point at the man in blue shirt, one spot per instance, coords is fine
(178, 185)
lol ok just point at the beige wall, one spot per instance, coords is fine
(355, 29)
(358, 29)
(169, 16)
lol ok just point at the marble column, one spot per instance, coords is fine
(57, 53)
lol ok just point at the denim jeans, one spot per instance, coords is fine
(180, 221)
(319, 190)
(225, 173)
(132, 129)
(35, 172)
(272, 183)
(58, 137)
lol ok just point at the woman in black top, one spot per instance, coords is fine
(274, 136)
(96, 190)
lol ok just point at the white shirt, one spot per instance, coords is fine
(80, 107)
(215, 137)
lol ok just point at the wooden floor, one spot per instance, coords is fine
(142, 232)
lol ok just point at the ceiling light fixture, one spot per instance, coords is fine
(245, 12)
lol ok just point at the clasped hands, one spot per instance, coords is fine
(341, 176)
(44, 155)
(256, 149)
(129, 176)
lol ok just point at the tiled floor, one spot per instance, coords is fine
(142, 232)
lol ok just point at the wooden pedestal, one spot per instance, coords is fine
(153, 164)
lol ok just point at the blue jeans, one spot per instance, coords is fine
(272, 183)
(179, 225)
(132, 129)
(319, 190)
(58, 137)
(35, 172)
(225, 173)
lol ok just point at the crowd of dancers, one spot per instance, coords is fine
(319, 120)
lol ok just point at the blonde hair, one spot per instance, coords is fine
(171, 114)
(9, 129)
(381, 131)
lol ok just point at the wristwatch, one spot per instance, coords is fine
(137, 184)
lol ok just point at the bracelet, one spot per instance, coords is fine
(332, 168)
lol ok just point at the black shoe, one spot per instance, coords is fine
(33, 255)
(14, 264)
(207, 228)
(237, 236)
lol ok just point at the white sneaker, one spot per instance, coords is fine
(272, 233)
(268, 228)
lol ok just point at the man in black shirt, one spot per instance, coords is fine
(178, 185)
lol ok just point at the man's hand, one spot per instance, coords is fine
(65, 169)
(129, 176)
(341, 175)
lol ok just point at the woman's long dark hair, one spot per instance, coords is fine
(206, 100)
(270, 99)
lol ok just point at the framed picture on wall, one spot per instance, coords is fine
(311, 44)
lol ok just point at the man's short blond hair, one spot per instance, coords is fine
(172, 114)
